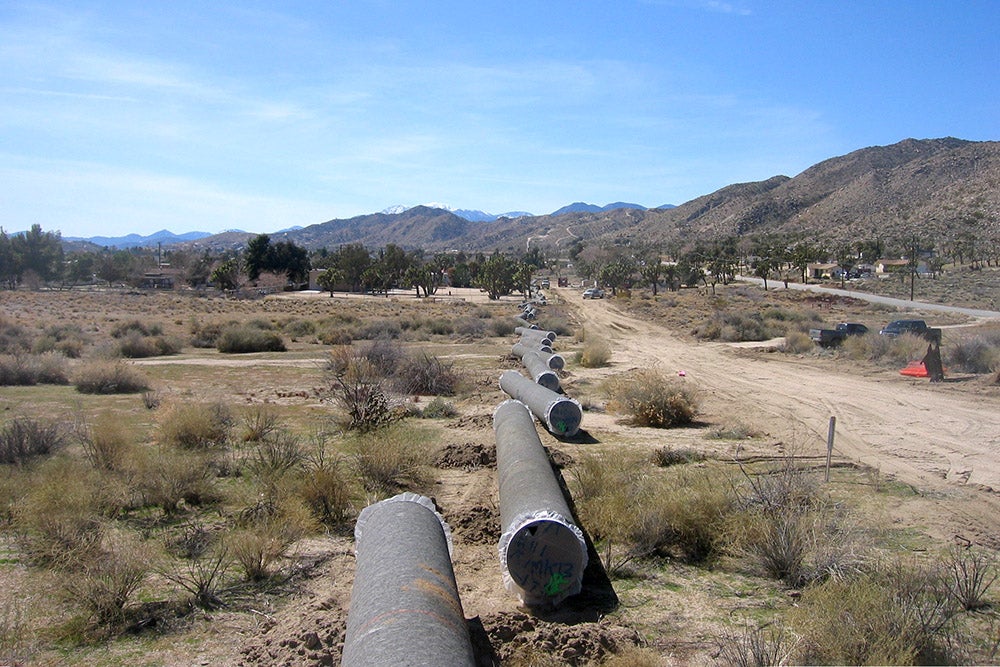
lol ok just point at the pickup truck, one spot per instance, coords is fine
(915, 327)
(835, 336)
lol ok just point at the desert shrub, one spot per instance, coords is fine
(555, 321)
(325, 487)
(439, 408)
(201, 575)
(358, 389)
(375, 329)
(66, 339)
(23, 439)
(104, 585)
(884, 350)
(798, 342)
(425, 374)
(440, 327)
(169, 479)
(136, 327)
(274, 457)
(107, 444)
(58, 520)
(737, 430)
(633, 514)
(501, 327)
(16, 637)
(206, 334)
(102, 376)
(666, 456)
(384, 354)
(134, 345)
(297, 328)
(195, 426)
(755, 646)
(471, 326)
(973, 355)
(893, 615)
(31, 369)
(264, 537)
(334, 336)
(258, 422)
(651, 398)
(391, 460)
(969, 574)
(14, 339)
(596, 353)
(242, 339)
(785, 529)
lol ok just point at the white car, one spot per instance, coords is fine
(593, 293)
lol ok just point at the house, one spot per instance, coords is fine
(883, 266)
(821, 271)
(163, 278)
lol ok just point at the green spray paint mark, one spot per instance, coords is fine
(556, 583)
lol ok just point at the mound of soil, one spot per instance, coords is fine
(315, 636)
(476, 525)
(518, 634)
(467, 456)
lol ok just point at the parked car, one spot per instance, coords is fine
(593, 293)
(915, 327)
(835, 336)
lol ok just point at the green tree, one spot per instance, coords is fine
(256, 256)
(496, 276)
(10, 263)
(330, 278)
(40, 252)
(226, 275)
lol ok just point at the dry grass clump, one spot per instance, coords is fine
(755, 646)
(895, 614)
(32, 369)
(23, 439)
(633, 514)
(785, 528)
(651, 398)
(884, 350)
(101, 376)
(104, 586)
(60, 516)
(596, 353)
(66, 339)
(391, 460)
(439, 408)
(426, 375)
(798, 342)
(173, 480)
(326, 488)
(359, 388)
(196, 426)
(976, 354)
(107, 443)
(247, 338)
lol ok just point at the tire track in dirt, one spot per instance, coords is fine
(936, 439)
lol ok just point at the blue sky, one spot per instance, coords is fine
(128, 116)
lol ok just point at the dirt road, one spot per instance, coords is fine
(942, 441)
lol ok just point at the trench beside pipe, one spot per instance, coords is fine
(542, 552)
(560, 414)
(405, 608)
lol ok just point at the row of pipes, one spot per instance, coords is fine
(405, 607)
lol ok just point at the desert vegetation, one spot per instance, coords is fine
(160, 497)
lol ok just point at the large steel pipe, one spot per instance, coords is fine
(405, 608)
(535, 333)
(553, 361)
(540, 371)
(542, 551)
(560, 414)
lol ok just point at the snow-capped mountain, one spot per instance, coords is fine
(468, 214)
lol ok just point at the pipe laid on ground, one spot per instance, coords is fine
(536, 332)
(540, 371)
(553, 361)
(560, 414)
(405, 608)
(542, 552)
(525, 324)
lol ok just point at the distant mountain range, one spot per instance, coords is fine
(163, 237)
(938, 190)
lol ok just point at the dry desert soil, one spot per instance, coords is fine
(933, 450)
